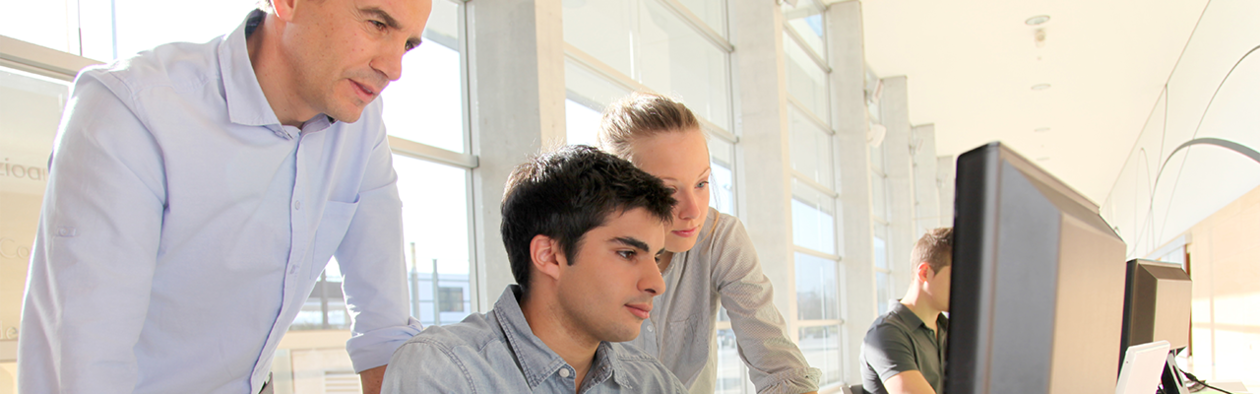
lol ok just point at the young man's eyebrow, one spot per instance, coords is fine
(632, 242)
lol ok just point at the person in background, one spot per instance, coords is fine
(198, 190)
(904, 350)
(708, 257)
(583, 230)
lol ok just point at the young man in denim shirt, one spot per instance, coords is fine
(583, 230)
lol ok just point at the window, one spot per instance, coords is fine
(420, 106)
(30, 110)
(646, 46)
(821, 347)
(587, 94)
(435, 238)
(106, 30)
(451, 299)
(815, 207)
(881, 215)
(427, 133)
(722, 176)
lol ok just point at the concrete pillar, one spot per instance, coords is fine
(945, 186)
(759, 72)
(848, 80)
(927, 206)
(516, 70)
(895, 114)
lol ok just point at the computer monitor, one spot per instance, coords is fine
(1157, 308)
(1037, 287)
(1156, 304)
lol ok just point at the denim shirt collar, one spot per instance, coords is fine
(246, 103)
(537, 361)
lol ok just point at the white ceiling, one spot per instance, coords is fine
(970, 66)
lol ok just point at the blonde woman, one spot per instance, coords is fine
(708, 257)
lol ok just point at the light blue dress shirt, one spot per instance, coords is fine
(497, 352)
(184, 227)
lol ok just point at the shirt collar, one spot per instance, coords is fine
(537, 361)
(608, 362)
(912, 320)
(246, 103)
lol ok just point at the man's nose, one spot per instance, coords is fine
(652, 281)
(389, 62)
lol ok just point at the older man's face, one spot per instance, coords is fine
(346, 51)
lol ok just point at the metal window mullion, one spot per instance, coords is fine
(718, 131)
(815, 253)
(818, 323)
(698, 24)
(814, 184)
(36, 59)
(432, 153)
(601, 69)
(800, 42)
(809, 114)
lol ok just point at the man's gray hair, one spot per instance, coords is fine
(265, 6)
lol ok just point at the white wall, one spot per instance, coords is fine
(1150, 208)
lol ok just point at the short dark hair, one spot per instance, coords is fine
(935, 248)
(566, 192)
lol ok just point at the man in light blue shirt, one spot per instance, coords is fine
(198, 190)
(583, 231)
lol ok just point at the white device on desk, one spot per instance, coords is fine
(1142, 368)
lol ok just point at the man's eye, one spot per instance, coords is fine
(379, 25)
(626, 254)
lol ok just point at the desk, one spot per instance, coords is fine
(1233, 387)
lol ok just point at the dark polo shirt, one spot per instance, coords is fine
(898, 342)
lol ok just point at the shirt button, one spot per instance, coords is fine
(297, 205)
(650, 329)
(564, 372)
(293, 269)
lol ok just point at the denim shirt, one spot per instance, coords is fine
(496, 352)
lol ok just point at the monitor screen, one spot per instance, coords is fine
(1038, 282)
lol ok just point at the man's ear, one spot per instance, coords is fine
(546, 255)
(284, 9)
(922, 270)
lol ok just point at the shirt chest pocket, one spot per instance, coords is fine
(332, 228)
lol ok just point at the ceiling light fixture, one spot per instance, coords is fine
(1041, 129)
(1037, 20)
(1041, 86)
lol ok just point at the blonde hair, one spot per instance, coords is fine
(641, 115)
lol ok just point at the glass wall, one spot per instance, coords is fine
(815, 195)
(679, 48)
